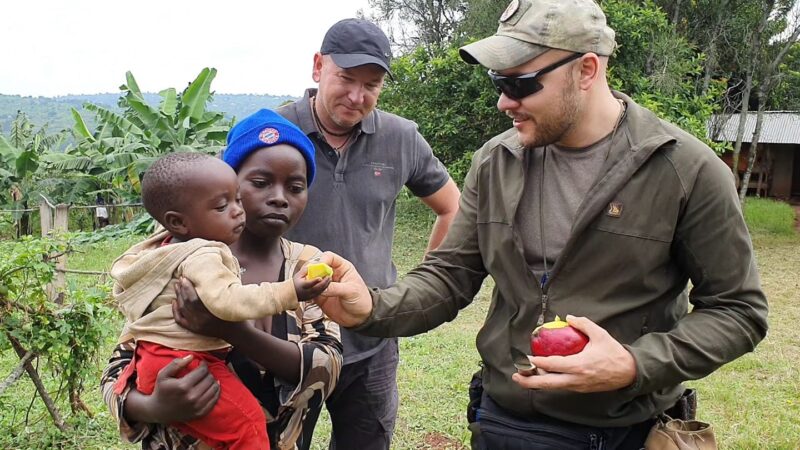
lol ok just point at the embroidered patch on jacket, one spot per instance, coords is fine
(614, 209)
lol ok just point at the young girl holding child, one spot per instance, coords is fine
(290, 362)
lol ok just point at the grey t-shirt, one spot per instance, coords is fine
(351, 203)
(569, 173)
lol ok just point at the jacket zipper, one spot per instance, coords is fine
(656, 143)
(518, 243)
(540, 322)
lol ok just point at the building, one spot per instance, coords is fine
(776, 172)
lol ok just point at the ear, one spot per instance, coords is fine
(176, 223)
(590, 68)
(316, 73)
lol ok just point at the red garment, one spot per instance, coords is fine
(236, 422)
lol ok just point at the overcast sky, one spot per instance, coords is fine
(60, 47)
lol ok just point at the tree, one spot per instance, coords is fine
(116, 154)
(658, 67)
(21, 173)
(480, 19)
(786, 94)
(767, 60)
(420, 23)
(454, 103)
(436, 25)
(714, 27)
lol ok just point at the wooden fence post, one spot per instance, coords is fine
(55, 290)
(62, 218)
(45, 218)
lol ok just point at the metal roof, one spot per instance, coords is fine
(779, 127)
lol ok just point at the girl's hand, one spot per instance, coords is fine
(190, 313)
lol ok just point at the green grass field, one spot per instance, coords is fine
(753, 402)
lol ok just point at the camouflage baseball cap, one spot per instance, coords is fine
(529, 28)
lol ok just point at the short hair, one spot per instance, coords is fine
(164, 183)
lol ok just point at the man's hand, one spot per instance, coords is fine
(603, 365)
(175, 399)
(308, 289)
(346, 300)
(190, 313)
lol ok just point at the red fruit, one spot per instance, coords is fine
(557, 338)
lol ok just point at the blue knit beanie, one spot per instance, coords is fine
(266, 128)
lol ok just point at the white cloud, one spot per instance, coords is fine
(58, 47)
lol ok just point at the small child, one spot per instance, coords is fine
(196, 199)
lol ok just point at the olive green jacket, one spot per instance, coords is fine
(675, 217)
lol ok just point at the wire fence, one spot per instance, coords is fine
(110, 206)
(15, 222)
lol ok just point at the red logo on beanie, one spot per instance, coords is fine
(269, 136)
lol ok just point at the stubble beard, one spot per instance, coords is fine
(341, 123)
(553, 127)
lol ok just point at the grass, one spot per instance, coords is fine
(767, 216)
(24, 422)
(753, 402)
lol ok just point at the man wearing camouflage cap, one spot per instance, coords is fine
(589, 208)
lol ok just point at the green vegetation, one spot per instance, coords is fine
(62, 332)
(767, 216)
(752, 402)
(55, 111)
(455, 104)
(670, 58)
(686, 62)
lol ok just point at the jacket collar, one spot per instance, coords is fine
(643, 130)
(510, 141)
(642, 134)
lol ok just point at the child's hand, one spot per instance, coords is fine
(309, 289)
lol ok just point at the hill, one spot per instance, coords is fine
(55, 111)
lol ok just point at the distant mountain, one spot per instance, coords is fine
(55, 111)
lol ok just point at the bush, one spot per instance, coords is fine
(453, 103)
(67, 334)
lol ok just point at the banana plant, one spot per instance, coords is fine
(23, 157)
(125, 143)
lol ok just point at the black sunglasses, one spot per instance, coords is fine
(521, 86)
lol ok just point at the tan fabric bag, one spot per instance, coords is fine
(677, 434)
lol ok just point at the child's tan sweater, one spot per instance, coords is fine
(144, 289)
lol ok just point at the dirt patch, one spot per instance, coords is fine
(437, 441)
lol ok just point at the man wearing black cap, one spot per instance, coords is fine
(591, 208)
(364, 158)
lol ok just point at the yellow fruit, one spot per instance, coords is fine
(318, 270)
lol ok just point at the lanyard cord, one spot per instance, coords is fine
(321, 128)
(541, 219)
(546, 275)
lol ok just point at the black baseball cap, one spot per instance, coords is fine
(356, 42)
